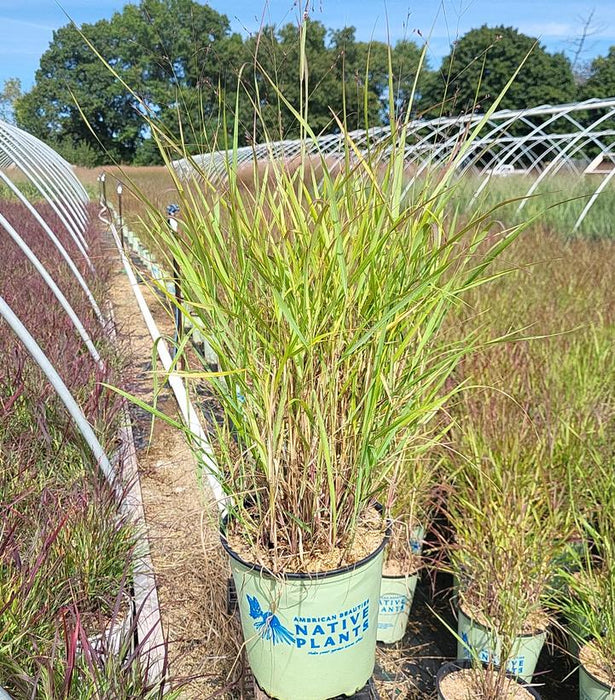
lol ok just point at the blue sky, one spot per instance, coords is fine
(26, 26)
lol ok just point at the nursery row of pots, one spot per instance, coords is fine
(313, 636)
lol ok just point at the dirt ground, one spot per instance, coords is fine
(191, 568)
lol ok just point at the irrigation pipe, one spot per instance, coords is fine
(69, 261)
(57, 292)
(61, 389)
(189, 414)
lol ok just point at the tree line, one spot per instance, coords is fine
(179, 62)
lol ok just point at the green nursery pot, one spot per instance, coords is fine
(309, 636)
(591, 688)
(396, 594)
(475, 639)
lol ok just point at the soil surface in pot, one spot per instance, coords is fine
(466, 683)
(596, 665)
(398, 567)
(369, 535)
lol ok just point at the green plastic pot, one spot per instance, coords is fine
(309, 636)
(590, 688)
(454, 666)
(476, 640)
(396, 595)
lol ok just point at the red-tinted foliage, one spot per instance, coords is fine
(62, 540)
(29, 296)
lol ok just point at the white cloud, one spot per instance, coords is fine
(21, 23)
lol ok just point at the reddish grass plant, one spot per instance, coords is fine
(64, 544)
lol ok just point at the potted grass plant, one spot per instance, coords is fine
(326, 329)
(587, 599)
(508, 534)
(480, 681)
(324, 375)
(410, 506)
(321, 285)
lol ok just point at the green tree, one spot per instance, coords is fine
(182, 59)
(405, 61)
(347, 80)
(601, 79)
(272, 78)
(483, 61)
(9, 94)
(174, 54)
(600, 84)
(72, 86)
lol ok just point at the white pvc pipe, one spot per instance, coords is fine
(61, 166)
(593, 198)
(60, 181)
(23, 161)
(57, 292)
(61, 389)
(436, 139)
(69, 261)
(33, 151)
(190, 416)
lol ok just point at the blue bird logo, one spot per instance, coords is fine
(467, 649)
(267, 624)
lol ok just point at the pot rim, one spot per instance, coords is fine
(307, 576)
(402, 576)
(591, 675)
(453, 666)
(476, 623)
